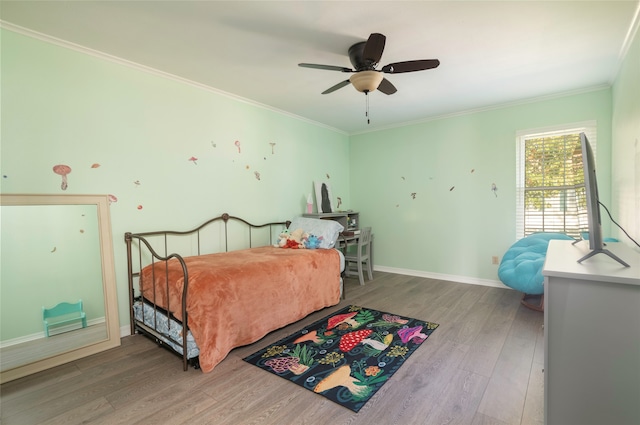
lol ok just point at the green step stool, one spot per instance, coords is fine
(62, 314)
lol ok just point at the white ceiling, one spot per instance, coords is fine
(491, 52)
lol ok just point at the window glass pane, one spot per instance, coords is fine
(550, 183)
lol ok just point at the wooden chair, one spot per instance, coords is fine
(63, 314)
(355, 260)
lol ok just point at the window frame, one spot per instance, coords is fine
(588, 127)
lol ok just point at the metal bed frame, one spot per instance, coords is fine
(148, 255)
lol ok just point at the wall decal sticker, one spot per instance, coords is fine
(328, 176)
(53, 250)
(193, 159)
(62, 170)
(96, 165)
(494, 189)
(257, 174)
(452, 187)
(272, 145)
(213, 144)
(137, 183)
(112, 198)
(413, 195)
(339, 202)
(237, 143)
(139, 207)
(472, 170)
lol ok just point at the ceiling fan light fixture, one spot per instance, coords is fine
(366, 81)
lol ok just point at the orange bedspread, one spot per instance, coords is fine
(236, 298)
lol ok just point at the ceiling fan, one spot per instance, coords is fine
(364, 57)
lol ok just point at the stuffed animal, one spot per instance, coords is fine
(292, 239)
(283, 238)
(299, 236)
(312, 242)
(290, 243)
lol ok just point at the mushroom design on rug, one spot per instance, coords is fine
(346, 356)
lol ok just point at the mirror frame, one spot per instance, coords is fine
(108, 281)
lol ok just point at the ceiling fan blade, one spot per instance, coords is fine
(410, 66)
(386, 87)
(374, 48)
(325, 67)
(340, 85)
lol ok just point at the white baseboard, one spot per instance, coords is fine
(41, 335)
(125, 331)
(439, 276)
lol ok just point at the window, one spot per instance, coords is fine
(550, 187)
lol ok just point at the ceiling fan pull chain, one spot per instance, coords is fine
(366, 113)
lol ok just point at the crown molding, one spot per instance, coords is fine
(490, 108)
(626, 44)
(153, 71)
(631, 33)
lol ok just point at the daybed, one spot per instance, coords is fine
(226, 284)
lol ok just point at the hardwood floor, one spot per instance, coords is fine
(482, 366)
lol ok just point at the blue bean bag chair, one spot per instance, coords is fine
(521, 265)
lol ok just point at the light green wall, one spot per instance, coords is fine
(456, 223)
(61, 106)
(626, 144)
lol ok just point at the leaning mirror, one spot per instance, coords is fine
(57, 282)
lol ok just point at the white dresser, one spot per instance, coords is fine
(592, 336)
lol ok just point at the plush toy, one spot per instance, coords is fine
(312, 242)
(292, 239)
(299, 236)
(290, 243)
(283, 238)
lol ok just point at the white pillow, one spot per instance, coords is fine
(327, 229)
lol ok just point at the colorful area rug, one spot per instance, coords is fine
(346, 356)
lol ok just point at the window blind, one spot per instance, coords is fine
(550, 183)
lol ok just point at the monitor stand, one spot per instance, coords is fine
(603, 251)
